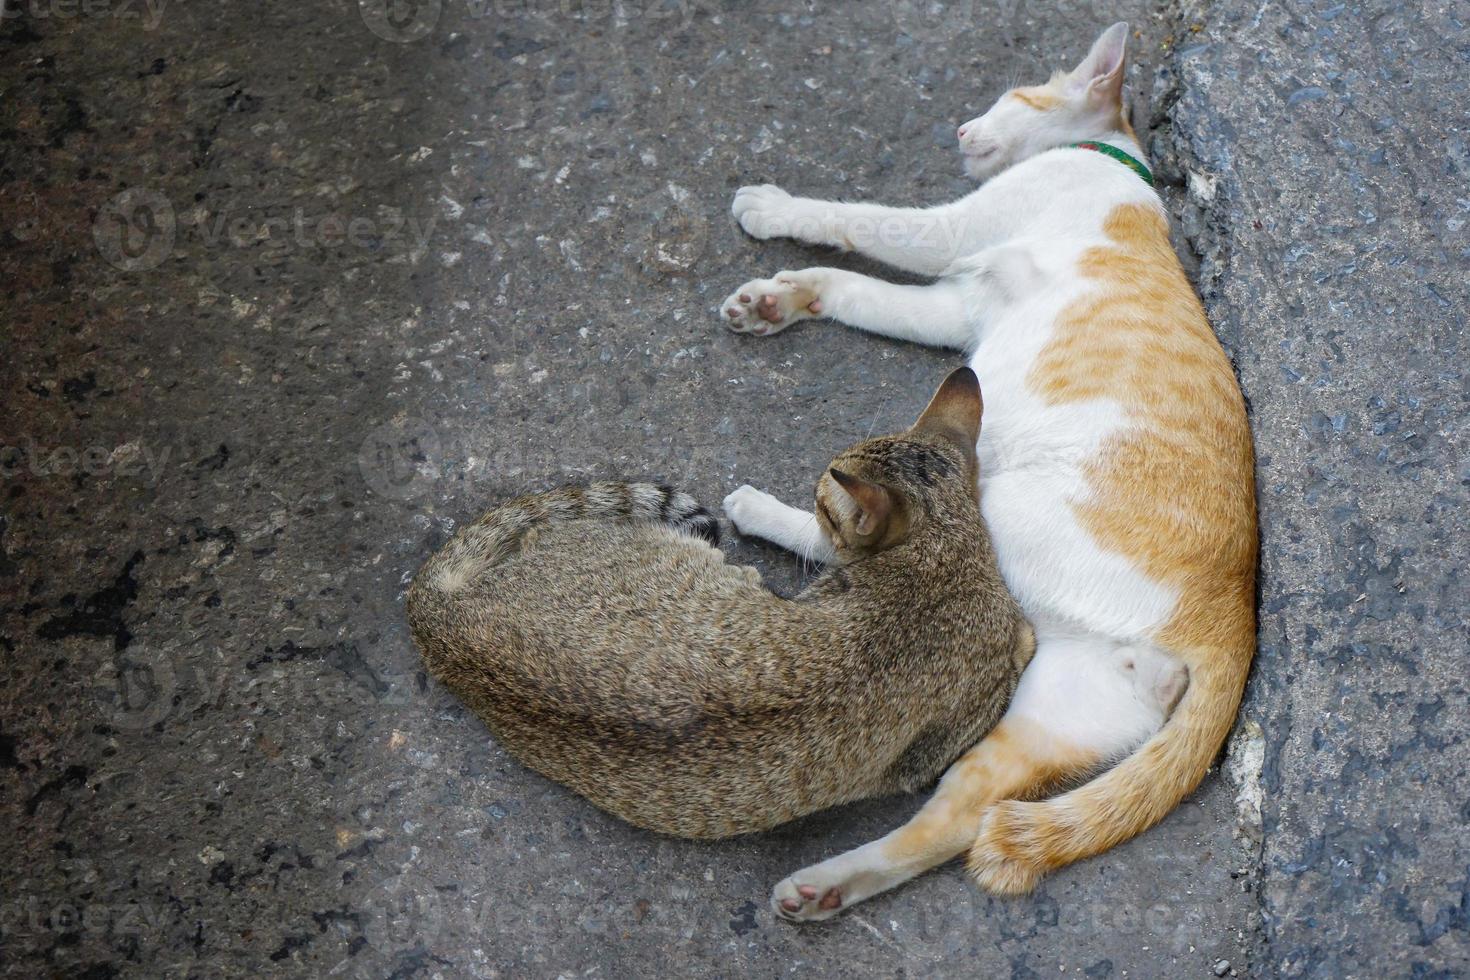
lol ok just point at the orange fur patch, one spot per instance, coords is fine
(1176, 491)
(1004, 859)
(1125, 124)
(1018, 759)
(1039, 98)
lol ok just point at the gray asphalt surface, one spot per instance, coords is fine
(291, 288)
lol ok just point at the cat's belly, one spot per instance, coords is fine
(1057, 571)
(1033, 460)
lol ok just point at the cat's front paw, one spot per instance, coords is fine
(745, 507)
(764, 211)
(767, 306)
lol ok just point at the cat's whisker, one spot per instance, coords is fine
(809, 545)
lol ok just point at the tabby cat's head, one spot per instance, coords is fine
(876, 494)
(1084, 103)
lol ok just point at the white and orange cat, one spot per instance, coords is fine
(1117, 477)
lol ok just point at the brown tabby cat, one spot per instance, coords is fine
(606, 643)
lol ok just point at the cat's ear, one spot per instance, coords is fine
(954, 411)
(874, 503)
(1100, 74)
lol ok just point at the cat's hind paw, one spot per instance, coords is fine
(767, 306)
(799, 902)
(821, 891)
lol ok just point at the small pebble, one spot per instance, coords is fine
(1222, 967)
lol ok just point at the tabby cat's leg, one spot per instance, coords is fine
(758, 514)
(934, 314)
(920, 240)
(1080, 704)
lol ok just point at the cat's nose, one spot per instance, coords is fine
(963, 130)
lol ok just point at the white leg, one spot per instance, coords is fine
(919, 240)
(935, 314)
(1080, 704)
(758, 514)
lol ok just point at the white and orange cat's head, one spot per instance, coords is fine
(1084, 103)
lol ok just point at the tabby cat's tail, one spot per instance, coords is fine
(490, 540)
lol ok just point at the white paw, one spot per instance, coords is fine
(764, 211)
(767, 306)
(811, 895)
(745, 505)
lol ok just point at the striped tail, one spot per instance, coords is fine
(494, 537)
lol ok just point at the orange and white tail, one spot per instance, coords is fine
(1020, 841)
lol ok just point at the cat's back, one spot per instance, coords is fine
(588, 569)
(603, 617)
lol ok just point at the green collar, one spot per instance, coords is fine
(1107, 149)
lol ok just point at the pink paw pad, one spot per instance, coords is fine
(831, 900)
(769, 309)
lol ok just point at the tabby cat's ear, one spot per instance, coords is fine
(954, 411)
(874, 503)
(1100, 74)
